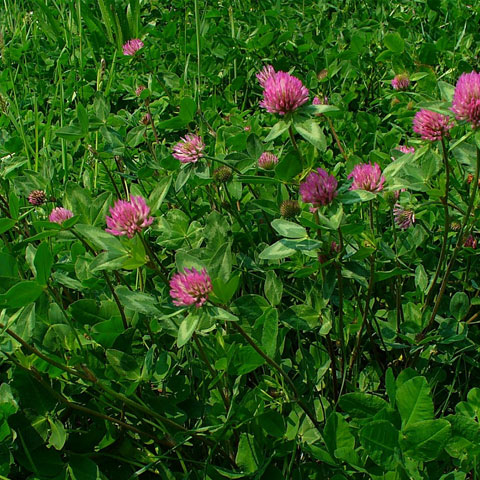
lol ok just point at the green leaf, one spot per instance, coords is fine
(188, 108)
(137, 301)
(220, 265)
(276, 251)
(82, 116)
(187, 328)
(289, 229)
(273, 288)
(394, 42)
(270, 331)
(124, 364)
(361, 405)
(380, 440)
(159, 193)
(82, 468)
(421, 278)
(70, 133)
(247, 456)
(424, 441)
(101, 239)
(356, 196)
(6, 224)
(288, 167)
(414, 402)
(338, 437)
(459, 305)
(311, 132)
(280, 127)
(24, 322)
(21, 294)
(43, 263)
(58, 436)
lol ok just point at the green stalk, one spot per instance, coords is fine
(446, 227)
(197, 35)
(455, 251)
(282, 372)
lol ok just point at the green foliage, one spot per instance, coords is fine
(334, 343)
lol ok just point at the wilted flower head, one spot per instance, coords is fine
(128, 217)
(367, 177)
(320, 101)
(431, 125)
(139, 90)
(132, 46)
(319, 189)
(264, 74)
(405, 149)
(403, 217)
(466, 98)
(289, 209)
(190, 288)
(189, 149)
(283, 93)
(59, 215)
(400, 82)
(470, 241)
(146, 119)
(222, 174)
(37, 197)
(267, 161)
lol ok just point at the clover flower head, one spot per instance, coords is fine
(267, 161)
(320, 101)
(400, 82)
(466, 98)
(132, 46)
(189, 149)
(264, 74)
(470, 241)
(128, 217)
(139, 90)
(190, 288)
(59, 215)
(319, 189)
(367, 177)
(431, 125)
(37, 198)
(283, 93)
(403, 217)
(405, 149)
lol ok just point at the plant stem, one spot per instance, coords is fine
(162, 271)
(445, 228)
(337, 140)
(212, 371)
(280, 370)
(455, 251)
(109, 173)
(294, 143)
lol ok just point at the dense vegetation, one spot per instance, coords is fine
(207, 274)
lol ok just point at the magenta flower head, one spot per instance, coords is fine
(405, 149)
(37, 198)
(139, 90)
(190, 288)
(319, 189)
(367, 177)
(400, 82)
(189, 149)
(466, 98)
(470, 241)
(403, 217)
(263, 75)
(132, 46)
(59, 215)
(320, 101)
(431, 125)
(267, 161)
(127, 218)
(283, 93)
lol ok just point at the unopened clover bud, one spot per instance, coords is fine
(289, 209)
(223, 174)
